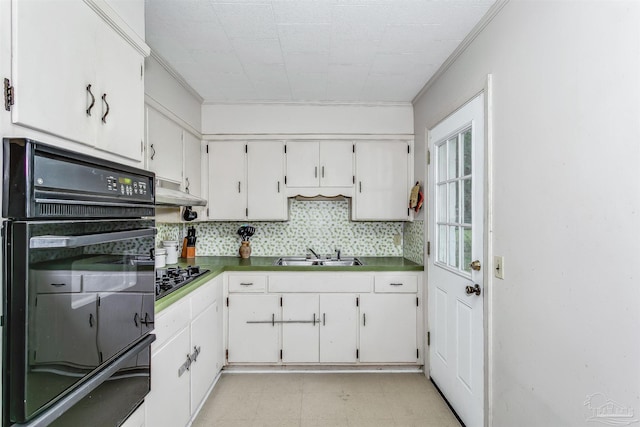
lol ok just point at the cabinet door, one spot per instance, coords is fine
(227, 182)
(192, 164)
(388, 328)
(382, 189)
(65, 329)
(300, 340)
(253, 333)
(120, 317)
(302, 163)
(339, 328)
(121, 95)
(164, 142)
(204, 349)
(336, 164)
(53, 54)
(168, 402)
(265, 179)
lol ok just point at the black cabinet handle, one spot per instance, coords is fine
(135, 319)
(91, 320)
(106, 113)
(93, 100)
(147, 320)
(154, 151)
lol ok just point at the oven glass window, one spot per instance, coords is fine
(87, 295)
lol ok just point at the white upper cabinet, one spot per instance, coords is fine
(91, 92)
(266, 199)
(313, 164)
(382, 180)
(246, 181)
(227, 181)
(164, 146)
(193, 153)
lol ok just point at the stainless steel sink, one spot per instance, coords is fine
(291, 261)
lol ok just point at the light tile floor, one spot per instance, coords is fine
(335, 399)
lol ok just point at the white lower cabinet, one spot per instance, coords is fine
(388, 328)
(254, 325)
(325, 318)
(186, 356)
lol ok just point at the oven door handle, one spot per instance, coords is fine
(76, 395)
(40, 242)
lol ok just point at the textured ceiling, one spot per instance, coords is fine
(308, 50)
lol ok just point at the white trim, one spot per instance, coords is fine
(305, 136)
(488, 242)
(169, 69)
(314, 103)
(150, 102)
(491, 13)
(115, 21)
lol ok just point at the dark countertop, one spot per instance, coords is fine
(220, 264)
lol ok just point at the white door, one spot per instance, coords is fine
(302, 163)
(388, 328)
(339, 328)
(254, 328)
(227, 180)
(456, 227)
(300, 328)
(265, 181)
(336, 164)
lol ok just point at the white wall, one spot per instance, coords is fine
(566, 319)
(228, 119)
(165, 90)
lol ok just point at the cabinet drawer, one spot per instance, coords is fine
(170, 321)
(321, 282)
(202, 298)
(248, 283)
(53, 282)
(396, 283)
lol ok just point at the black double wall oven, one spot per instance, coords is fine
(78, 287)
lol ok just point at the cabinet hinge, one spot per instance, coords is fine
(246, 211)
(353, 148)
(357, 353)
(357, 302)
(1, 320)
(207, 212)
(417, 353)
(285, 148)
(428, 157)
(280, 301)
(246, 148)
(285, 180)
(428, 248)
(408, 149)
(428, 338)
(141, 70)
(417, 302)
(227, 306)
(8, 95)
(141, 147)
(280, 354)
(99, 301)
(207, 148)
(353, 178)
(226, 354)
(408, 211)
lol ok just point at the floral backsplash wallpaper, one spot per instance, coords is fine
(320, 225)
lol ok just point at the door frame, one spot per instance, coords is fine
(488, 241)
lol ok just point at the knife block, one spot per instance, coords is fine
(187, 251)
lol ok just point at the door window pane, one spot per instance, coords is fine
(454, 201)
(466, 137)
(454, 246)
(453, 157)
(442, 243)
(466, 259)
(442, 202)
(467, 199)
(442, 163)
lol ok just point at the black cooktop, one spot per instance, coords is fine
(173, 278)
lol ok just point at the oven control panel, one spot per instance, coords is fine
(89, 180)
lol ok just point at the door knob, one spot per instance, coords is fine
(473, 289)
(475, 265)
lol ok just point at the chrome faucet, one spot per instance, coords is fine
(314, 253)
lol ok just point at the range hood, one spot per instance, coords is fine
(166, 196)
